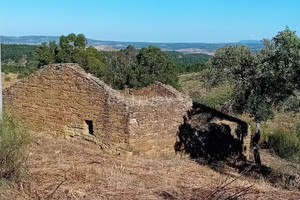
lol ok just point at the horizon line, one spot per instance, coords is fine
(173, 42)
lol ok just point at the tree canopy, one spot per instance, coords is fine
(72, 48)
(135, 69)
(121, 68)
(261, 80)
(47, 53)
(192, 62)
(155, 65)
(17, 53)
(265, 79)
(225, 60)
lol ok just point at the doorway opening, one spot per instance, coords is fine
(90, 126)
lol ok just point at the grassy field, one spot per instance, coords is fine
(194, 85)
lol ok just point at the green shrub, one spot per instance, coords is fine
(285, 144)
(292, 104)
(298, 131)
(14, 141)
(7, 78)
(22, 71)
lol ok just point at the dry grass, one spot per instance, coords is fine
(283, 121)
(13, 78)
(14, 142)
(286, 122)
(61, 169)
(277, 163)
(194, 85)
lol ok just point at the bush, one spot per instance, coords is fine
(298, 131)
(22, 71)
(13, 143)
(285, 145)
(7, 78)
(292, 104)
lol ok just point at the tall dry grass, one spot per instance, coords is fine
(14, 141)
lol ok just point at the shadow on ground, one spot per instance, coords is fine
(211, 135)
(215, 139)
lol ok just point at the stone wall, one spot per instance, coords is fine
(64, 101)
(158, 116)
(59, 98)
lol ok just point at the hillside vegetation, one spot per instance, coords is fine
(18, 53)
(221, 81)
(259, 87)
(189, 62)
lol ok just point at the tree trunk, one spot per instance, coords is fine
(255, 144)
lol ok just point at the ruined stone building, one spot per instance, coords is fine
(213, 135)
(65, 101)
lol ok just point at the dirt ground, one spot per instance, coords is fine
(13, 78)
(62, 169)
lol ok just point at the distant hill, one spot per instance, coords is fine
(32, 40)
(249, 42)
(208, 48)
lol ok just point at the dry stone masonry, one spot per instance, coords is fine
(65, 101)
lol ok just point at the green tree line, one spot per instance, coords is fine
(126, 68)
(72, 49)
(189, 62)
(19, 54)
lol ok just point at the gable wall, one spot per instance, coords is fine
(57, 101)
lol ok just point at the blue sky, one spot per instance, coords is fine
(151, 20)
